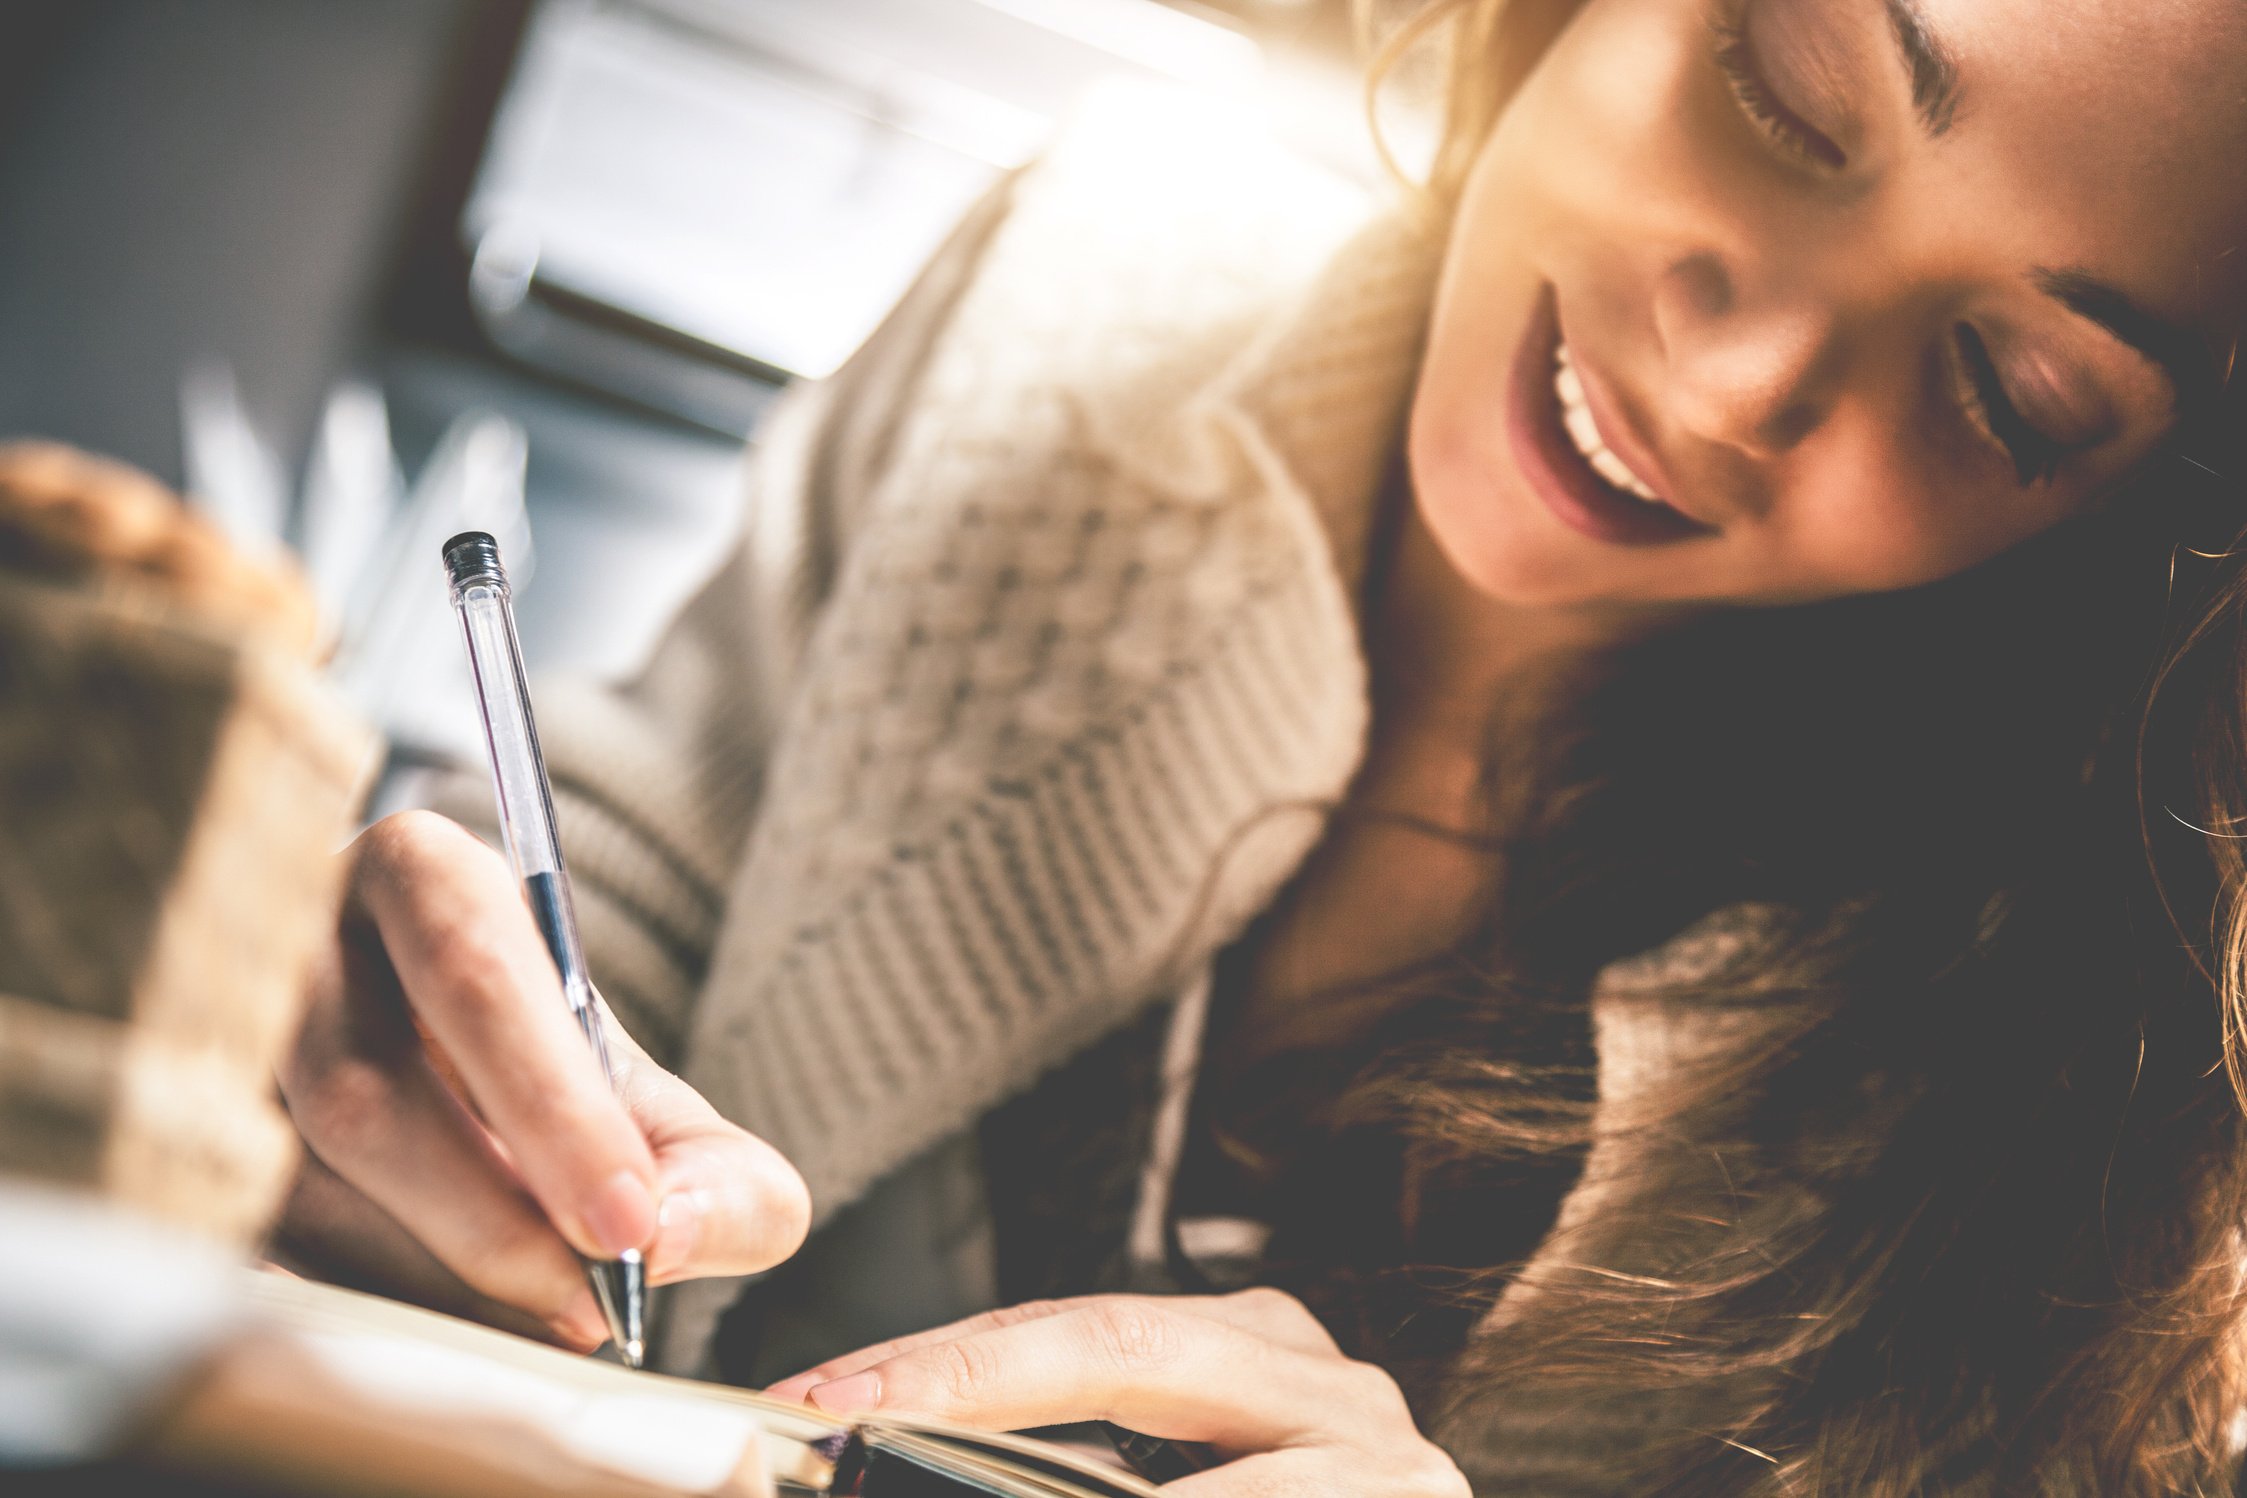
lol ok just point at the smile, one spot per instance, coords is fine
(1566, 456)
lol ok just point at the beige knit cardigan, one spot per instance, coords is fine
(1036, 660)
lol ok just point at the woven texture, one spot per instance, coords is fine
(174, 799)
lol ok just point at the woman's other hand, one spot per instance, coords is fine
(463, 1140)
(1252, 1374)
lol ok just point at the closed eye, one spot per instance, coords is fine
(1785, 130)
(1991, 412)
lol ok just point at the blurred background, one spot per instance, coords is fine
(353, 271)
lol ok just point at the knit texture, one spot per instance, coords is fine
(1032, 682)
(1089, 672)
(1038, 666)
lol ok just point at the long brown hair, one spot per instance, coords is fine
(1954, 1077)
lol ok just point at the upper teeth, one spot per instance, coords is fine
(1576, 415)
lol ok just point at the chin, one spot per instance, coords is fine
(1499, 539)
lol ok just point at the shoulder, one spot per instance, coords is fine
(1015, 585)
(1169, 209)
(1011, 542)
(1075, 314)
(1143, 251)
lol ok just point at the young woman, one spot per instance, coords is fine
(1558, 779)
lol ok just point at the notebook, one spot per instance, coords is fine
(330, 1391)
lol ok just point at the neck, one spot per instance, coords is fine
(1453, 662)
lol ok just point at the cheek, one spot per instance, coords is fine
(1460, 487)
(1873, 529)
(1868, 543)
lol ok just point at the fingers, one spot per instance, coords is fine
(329, 1231)
(473, 966)
(446, 1000)
(373, 1111)
(729, 1203)
(1252, 1373)
(1269, 1313)
(1140, 1361)
(1272, 1314)
(1413, 1469)
(867, 1357)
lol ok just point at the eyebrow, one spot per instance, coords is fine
(2195, 374)
(2180, 352)
(1932, 65)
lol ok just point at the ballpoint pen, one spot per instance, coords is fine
(526, 824)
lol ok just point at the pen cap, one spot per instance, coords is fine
(472, 559)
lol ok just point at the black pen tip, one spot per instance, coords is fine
(621, 1286)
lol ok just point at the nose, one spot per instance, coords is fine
(1749, 366)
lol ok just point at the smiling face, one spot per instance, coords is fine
(1763, 301)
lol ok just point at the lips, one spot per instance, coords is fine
(1550, 461)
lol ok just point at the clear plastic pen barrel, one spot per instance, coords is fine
(526, 823)
(526, 815)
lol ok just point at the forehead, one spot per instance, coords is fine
(2119, 124)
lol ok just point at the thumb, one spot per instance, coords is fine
(728, 1203)
(731, 1204)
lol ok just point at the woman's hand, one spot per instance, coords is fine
(1252, 1374)
(463, 1139)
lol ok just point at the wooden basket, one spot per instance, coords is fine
(171, 804)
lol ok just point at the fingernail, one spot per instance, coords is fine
(678, 1227)
(849, 1396)
(621, 1214)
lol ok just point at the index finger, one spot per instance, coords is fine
(1271, 1314)
(1137, 1362)
(477, 973)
